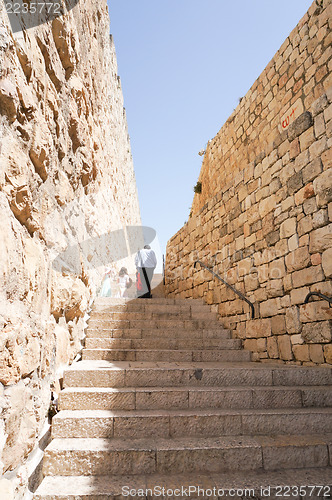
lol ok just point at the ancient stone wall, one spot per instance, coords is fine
(66, 177)
(263, 217)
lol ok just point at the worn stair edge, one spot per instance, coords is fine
(123, 373)
(147, 456)
(161, 343)
(115, 487)
(132, 398)
(167, 354)
(163, 333)
(154, 312)
(181, 423)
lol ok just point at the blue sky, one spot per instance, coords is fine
(184, 64)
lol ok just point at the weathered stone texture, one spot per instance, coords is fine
(66, 176)
(263, 218)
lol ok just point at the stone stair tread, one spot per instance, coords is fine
(114, 301)
(80, 414)
(117, 349)
(203, 342)
(164, 333)
(68, 487)
(237, 366)
(185, 443)
(164, 344)
(183, 388)
(101, 364)
(216, 354)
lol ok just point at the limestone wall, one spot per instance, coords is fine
(66, 177)
(263, 218)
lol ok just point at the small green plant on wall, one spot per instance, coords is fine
(198, 187)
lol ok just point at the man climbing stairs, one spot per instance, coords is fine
(164, 397)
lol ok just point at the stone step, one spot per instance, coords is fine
(152, 315)
(161, 343)
(227, 486)
(144, 307)
(153, 398)
(167, 333)
(102, 456)
(161, 374)
(157, 324)
(166, 355)
(190, 423)
(110, 301)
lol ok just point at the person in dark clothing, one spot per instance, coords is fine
(145, 262)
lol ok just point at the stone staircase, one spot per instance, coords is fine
(164, 397)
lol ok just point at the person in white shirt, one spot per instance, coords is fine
(145, 262)
(123, 281)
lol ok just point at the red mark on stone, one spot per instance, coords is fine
(286, 121)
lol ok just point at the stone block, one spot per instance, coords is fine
(298, 259)
(319, 126)
(319, 105)
(303, 194)
(293, 242)
(320, 218)
(307, 139)
(251, 283)
(278, 324)
(293, 323)
(267, 205)
(250, 345)
(318, 147)
(327, 155)
(295, 183)
(316, 259)
(316, 353)
(275, 288)
(301, 352)
(305, 225)
(288, 284)
(302, 160)
(323, 188)
(328, 353)
(327, 262)
(288, 228)
(277, 269)
(296, 339)
(272, 347)
(258, 328)
(307, 276)
(320, 239)
(285, 347)
(312, 170)
(310, 206)
(317, 333)
(315, 311)
(261, 345)
(269, 308)
(300, 125)
(294, 148)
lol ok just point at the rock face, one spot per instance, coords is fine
(263, 217)
(66, 177)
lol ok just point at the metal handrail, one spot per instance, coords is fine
(251, 305)
(318, 294)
